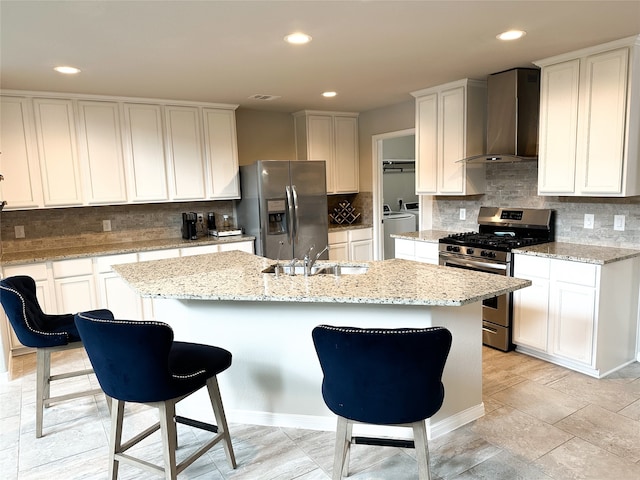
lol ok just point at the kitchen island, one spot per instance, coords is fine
(224, 299)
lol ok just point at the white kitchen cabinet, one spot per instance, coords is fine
(246, 246)
(75, 285)
(101, 155)
(21, 187)
(221, 153)
(579, 315)
(589, 116)
(333, 137)
(424, 252)
(184, 153)
(57, 151)
(44, 293)
(450, 126)
(198, 250)
(114, 293)
(144, 147)
(351, 245)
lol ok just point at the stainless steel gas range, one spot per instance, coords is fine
(500, 230)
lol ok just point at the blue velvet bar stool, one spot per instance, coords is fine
(138, 361)
(382, 377)
(46, 333)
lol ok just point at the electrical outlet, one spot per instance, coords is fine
(19, 231)
(589, 220)
(200, 217)
(106, 225)
(618, 222)
(463, 214)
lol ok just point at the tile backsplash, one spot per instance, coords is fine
(516, 185)
(65, 227)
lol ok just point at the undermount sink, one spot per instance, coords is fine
(319, 269)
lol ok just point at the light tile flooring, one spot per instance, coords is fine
(542, 422)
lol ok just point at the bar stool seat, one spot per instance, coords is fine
(138, 361)
(382, 377)
(47, 333)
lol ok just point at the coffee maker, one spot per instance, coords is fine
(189, 225)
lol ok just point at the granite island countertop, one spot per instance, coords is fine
(83, 251)
(237, 276)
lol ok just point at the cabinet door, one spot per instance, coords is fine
(19, 158)
(427, 144)
(346, 154)
(530, 313)
(572, 314)
(339, 251)
(221, 152)
(117, 296)
(602, 129)
(144, 144)
(56, 136)
(452, 135)
(101, 155)
(405, 249)
(558, 127)
(184, 151)
(361, 250)
(424, 252)
(320, 144)
(75, 294)
(242, 246)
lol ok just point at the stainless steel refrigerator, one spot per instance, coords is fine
(284, 205)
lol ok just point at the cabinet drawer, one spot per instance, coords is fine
(574, 272)
(338, 237)
(71, 268)
(531, 266)
(158, 254)
(425, 250)
(36, 271)
(361, 234)
(199, 250)
(104, 263)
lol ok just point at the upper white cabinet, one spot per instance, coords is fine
(57, 150)
(221, 153)
(184, 152)
(101, 156)
(333, 137)
(18, 155)
(450, 126)
(590, 121)
(98, 150)
(144, 145)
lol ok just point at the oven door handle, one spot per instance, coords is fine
(481, 266)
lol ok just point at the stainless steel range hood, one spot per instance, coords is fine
(513, 103)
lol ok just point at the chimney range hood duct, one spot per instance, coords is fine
(513, 103)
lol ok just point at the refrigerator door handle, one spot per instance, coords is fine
(290, 214)
(295, 211)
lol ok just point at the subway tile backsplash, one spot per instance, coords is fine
(516, 185)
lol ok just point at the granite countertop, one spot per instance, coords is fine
(429, 236)
(353, 226)
(577, 252)
(82, 251)
(237, 276)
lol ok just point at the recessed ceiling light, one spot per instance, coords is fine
(67, 70)
(511, 35)
(329, 94)
(298, 38)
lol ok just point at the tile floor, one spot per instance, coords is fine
(542, 422)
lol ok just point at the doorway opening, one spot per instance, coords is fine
(393, 172)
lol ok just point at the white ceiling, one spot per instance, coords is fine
(373, 53)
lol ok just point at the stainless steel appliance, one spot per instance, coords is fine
(189, 225)
(284, 205)
(489, 250)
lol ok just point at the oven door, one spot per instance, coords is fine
(496, 312)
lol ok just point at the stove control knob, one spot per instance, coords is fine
(469, 251)
(453, 248)
(488, 254)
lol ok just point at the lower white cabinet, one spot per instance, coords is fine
(579, 315)
(351, 245)
(425, 252)
(113, 292)
(75, 285)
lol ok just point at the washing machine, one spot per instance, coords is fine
(393, 223)
(414, 209)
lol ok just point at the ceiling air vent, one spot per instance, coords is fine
(260, 96)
